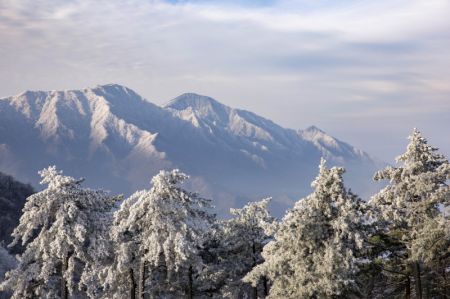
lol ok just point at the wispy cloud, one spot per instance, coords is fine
(296, 61)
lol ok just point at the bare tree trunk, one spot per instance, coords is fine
(418, 280)
(408, 288)
(141, 290)
(255, 293)
(265, 286)
(445, 282)
(132, 284)
(64, 266)
(371, 286)
(426, 284)
(190, 291)
(255, 288)
(30, 289)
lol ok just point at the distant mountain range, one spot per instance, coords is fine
(118, 140)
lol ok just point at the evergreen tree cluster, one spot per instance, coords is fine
(164, 242)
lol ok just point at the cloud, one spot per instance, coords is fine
(298, 62)
(357, 20)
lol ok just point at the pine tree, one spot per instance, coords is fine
(314, 253)
(157, 234)
(58, 230)
(234, 249)
(411, 206)
(7, 262)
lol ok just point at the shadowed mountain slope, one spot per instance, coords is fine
(117, 140)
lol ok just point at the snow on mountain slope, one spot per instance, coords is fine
(207, 113)
(259, 139)
(78, 131)
(118, 140)
(332, 148)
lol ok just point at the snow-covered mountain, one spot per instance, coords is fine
(117, 140)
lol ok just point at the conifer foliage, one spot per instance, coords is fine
(59, 229)
(157, 235)
(164, 242)
(412, 207)
(314, 253)
(234, 248)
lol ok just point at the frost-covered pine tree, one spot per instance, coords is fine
(412, 206)
(59, 230)
(7, 262)
(157, 234)
(315, 251)
(99, 249)
(234, 248)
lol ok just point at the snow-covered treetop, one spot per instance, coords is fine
(65, 195)
(419, 155)
(314, 251)
(328, 178)
(166, 187)
(55, 179)
(333, 204)
(40, 208)
(165, 220)
(59, 225)
(255, 213)
(251, 224)
(417, 187)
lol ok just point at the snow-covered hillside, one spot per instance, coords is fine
(117, 140)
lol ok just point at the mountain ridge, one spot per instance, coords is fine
(118, 140)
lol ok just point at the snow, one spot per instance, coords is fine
(313, 253)
(61, 225)
(165, 242)
(331, 147)
(160, 227)
(118, 139)
(416, 192)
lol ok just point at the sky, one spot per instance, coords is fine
(365, 71)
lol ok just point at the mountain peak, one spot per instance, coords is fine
(314, 129)
(199, 106)
(119, 140)
(114, 89)
(331, 146)
(112, 86)
(193, 100)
